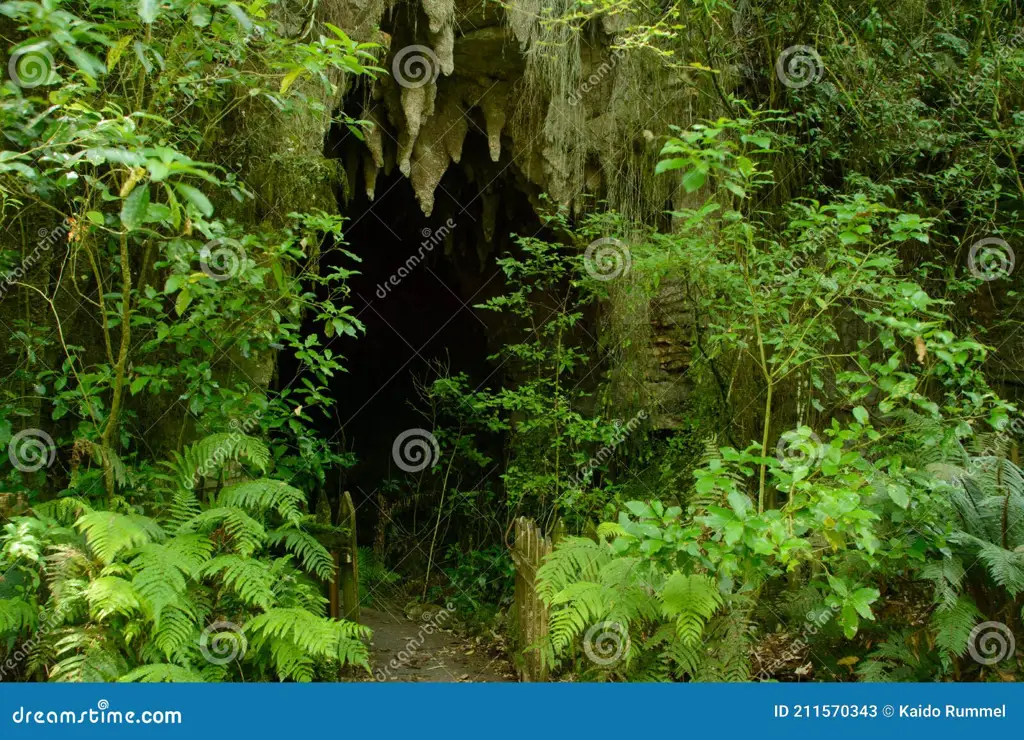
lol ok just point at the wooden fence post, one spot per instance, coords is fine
(348, 562)
(529, 551)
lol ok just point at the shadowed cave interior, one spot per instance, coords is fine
(419, 278)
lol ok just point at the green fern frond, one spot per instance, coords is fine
(177, 629)
(692, 600)
(16, 616)
(109, 534)
(314, 636)
(87, 656)
(610, 530)
(106, 457)
(574, 559)
(680, 660)
(1005, 566)
(246, 534)
(161, 571)
(573, 610)
(947, 575)
(111, 595)
(184, 507)
(162, 673)
(291, 662)
(65, 510)
(953, 626)
(252, 580)
(311, 553)
(260, 496)
(210, 455)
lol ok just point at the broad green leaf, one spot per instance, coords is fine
(195, 197)
(114, 52)
(289, 78)
(184, 299)
(899, 495)
(862, 599)
(135, 207)
(148, 10)
(693, 180)
(670, 164)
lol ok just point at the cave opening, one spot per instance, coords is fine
(419, 279)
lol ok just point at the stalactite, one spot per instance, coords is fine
(494, 105)
(567, 115)
(370, 176)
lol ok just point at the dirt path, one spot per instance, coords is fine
(403, 649)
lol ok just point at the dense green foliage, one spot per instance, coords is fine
(842, 498)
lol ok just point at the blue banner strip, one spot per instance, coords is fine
(520, 711)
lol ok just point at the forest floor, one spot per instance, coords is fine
(423, 647)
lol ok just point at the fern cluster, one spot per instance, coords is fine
(135, 595)
(659, 619)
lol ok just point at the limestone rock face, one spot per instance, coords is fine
(563, 113)
(570, 116)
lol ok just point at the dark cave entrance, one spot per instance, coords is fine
(419, 279)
